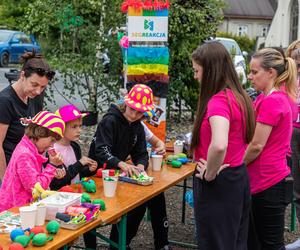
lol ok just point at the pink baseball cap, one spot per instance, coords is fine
(69, 113)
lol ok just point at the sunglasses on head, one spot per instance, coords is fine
(42, 72)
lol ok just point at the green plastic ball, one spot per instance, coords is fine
(52, 227)
(85, 198)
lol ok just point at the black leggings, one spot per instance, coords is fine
(222, 210)
(267, 217)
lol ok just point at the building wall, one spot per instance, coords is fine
(250, 27)
(279, 33)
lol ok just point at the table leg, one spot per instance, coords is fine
(122, 233)
(183, 202)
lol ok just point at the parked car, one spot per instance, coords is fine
(237, 56)
(13, 44)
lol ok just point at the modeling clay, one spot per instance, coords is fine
(23, 240)
(37, 230)
(16, 232)
(52, 227)
(85, 198)
(41, 239)
(15, 246)
(67, 189)
(88, 184)
(176, 164)
(101, 203)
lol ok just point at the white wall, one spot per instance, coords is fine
(254, 27)
(279, 33)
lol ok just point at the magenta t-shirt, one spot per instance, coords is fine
(270, 166)
(224, 104)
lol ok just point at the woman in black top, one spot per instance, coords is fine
(17, 101)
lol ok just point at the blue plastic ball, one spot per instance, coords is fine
(16, 232)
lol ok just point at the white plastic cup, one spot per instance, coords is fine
(28, 216)
(105, 173)
(41, 210)
(110, 186)
(156, 162)
(178, 149)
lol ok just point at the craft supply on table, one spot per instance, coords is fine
(178, 146)
(59, 202)
(78, 215)
(142, 179)
(156, 161)
(110, 186)
(88, 184)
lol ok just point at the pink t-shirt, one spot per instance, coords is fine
(68, 156)
(225, 105)
(270, 166)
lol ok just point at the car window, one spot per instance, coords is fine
(4, 36)
(16, 37)
(232, 47)
(25, 39)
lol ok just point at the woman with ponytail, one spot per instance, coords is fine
(223, 127)
(293, 51)
(19, 100)
(265, 157)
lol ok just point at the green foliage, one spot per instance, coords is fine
(75, 33)
(12, 13)
(245, 43)
(191, 22)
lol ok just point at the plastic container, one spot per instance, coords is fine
(41, 211)
(156, 162)
(27, 216)
(110, 186)
(58, 202)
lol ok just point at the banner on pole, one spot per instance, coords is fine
(148, 28)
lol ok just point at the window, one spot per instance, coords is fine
(242, 30)
(264, 30)
(294, 20)
(25, 39)
(16, 38)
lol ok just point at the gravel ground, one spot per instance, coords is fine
(178, 231)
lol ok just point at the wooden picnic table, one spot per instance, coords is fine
(128, 196)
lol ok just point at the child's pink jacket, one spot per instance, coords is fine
(23, 171)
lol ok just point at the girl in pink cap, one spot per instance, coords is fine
(120, 134)
(25, 167)
(76, 165)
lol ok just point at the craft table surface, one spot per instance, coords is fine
(128, 196)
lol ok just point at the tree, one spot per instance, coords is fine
(191, 23)
(76, 33)
(12, 13)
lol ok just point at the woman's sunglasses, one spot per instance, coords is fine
(42, 72)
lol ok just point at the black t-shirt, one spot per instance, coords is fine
(12, 108)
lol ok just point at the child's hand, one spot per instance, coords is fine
(160, 148)
(56, 160)
(128, 168)
(60, 173)
(93, 167)
(87, 161)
